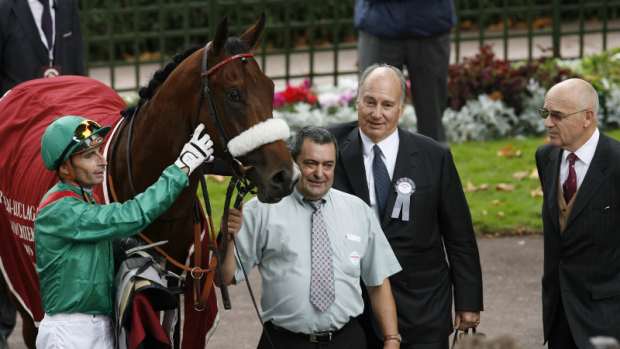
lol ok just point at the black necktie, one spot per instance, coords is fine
(382, 179)
(46, 23)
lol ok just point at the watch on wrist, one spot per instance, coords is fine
(393, 337)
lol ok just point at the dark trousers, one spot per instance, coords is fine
(427, 61)
(7, 314)
(560, 336)
(350, 336)
(376, 343)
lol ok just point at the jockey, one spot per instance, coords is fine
(73, 233)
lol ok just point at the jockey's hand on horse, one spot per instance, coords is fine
(197, 151)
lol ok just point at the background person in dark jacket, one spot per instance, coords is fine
(415, 34)
(39, 39)
(25, 54)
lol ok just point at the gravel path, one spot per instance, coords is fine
(512, 268)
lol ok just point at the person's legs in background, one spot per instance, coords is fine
(372, 49)
(427, 64)
(7, 314)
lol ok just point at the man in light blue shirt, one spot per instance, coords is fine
(305, 302)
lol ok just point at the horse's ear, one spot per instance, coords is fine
(221, 33)
(250, 37)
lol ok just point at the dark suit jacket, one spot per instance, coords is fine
(23, 54)
(582, 264)
(438, 213)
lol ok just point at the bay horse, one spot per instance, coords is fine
(222, 86)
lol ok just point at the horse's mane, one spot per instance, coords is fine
(162, 74)
(232, 46)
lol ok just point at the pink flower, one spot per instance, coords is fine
(278, 100)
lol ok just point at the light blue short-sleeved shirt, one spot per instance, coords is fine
(276, 238)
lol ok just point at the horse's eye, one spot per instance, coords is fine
(234, 95)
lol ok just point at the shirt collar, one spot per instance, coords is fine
(389, 145)
(586, 152)
(77, 189)
(303, 201)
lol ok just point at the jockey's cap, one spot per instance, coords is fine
(68, 135)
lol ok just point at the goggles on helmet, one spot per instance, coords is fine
(83, 136)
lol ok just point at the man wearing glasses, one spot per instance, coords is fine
(73, 233)
(579, 172)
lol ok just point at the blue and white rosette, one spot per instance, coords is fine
(404, 189)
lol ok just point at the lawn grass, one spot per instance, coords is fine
(493, 211)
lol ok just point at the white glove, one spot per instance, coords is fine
(197, 151)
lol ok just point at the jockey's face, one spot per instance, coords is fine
(88, 167)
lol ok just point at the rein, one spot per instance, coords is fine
(240, 182)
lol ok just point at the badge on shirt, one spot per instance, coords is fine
(405, 187)
(354, 257)
(50, 71)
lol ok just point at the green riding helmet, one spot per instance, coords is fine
(68, 135)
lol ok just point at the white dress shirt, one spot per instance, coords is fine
(37, 10)
(389, 148)
(584, 158)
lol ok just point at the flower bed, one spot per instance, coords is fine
(332, 105)
(489, 98)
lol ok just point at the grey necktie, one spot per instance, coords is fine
(382, 179)
(322, 290)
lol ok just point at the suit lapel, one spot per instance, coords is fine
(26, 21)
(405, 165)
(594, 177)
(353, 161)
(551, 182)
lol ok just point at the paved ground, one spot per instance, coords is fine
(511, 269)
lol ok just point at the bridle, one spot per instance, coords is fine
(205, 92)
(239, 181)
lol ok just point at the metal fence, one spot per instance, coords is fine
(127, 40)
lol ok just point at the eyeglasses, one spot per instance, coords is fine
(556, 116)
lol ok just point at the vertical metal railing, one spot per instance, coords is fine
(117, 34)
(557, 28)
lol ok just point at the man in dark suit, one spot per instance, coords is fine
(579, 172)
(39, 38)
(412, 184)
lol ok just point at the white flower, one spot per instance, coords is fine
(479, 119)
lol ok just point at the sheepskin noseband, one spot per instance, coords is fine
(268, 131)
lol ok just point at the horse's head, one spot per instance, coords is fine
(237, 109)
